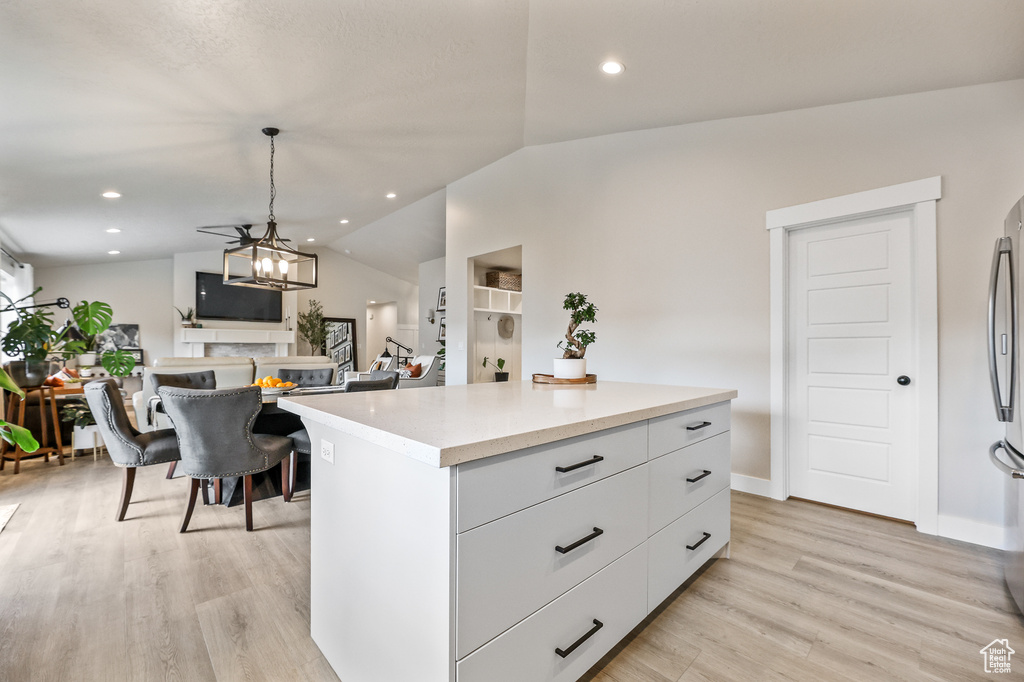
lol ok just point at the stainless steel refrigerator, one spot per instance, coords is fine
(1004, 301)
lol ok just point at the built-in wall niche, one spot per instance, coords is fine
(496, 322)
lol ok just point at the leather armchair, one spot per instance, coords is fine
(128, 447)
(216, 440)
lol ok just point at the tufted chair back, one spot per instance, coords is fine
(127, 447)
(316, 376)
(214, 430)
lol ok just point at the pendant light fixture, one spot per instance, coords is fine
(267, 263)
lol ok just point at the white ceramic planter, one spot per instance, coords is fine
(571, 368)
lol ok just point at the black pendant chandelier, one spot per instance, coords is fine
(267, 263)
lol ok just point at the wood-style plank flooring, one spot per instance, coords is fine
(810, 593)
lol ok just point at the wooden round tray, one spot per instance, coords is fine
(550, 379)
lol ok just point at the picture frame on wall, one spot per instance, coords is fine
(442, 299)
(441, 330)
(339, 345)
(136, 353)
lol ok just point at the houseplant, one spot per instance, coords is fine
(12, 433)
(312, 327)
(572, 364)
(188, 318)
(500, 374)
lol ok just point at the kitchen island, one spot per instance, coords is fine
(506, 531)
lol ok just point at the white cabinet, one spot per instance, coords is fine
(501, 568)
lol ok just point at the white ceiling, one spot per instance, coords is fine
(164, 102)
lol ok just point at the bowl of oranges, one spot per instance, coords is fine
(271, 384)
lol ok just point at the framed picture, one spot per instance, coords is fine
(135, 353)
(340, 345)
(441, 299)
(118, 336)
(441, 330)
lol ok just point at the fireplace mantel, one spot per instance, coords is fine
(197, 339)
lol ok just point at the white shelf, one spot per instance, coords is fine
(490, 300)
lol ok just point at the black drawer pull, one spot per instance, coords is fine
(698, 427)
(699, 542)
(578, 465)
(581, 541)
(597, 626)
(694, 480)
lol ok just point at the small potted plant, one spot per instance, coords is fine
(500, 374)
(188, 318)
(572, 364)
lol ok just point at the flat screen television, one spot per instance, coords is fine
(218, 301)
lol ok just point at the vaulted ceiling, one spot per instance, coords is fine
(164, 102)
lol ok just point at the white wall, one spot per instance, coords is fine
(431, 280)
(138, 291)
(665, 231)
(381, 322)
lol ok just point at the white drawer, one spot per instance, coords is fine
(494, 487)
(671, 562)
(674, 431)
(509, 568)
(685, 478)
(616, 597)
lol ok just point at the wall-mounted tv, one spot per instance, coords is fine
(218, 301)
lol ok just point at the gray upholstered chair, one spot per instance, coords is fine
(370, 385)
(128, 447)
(216, 440)
(206, 379)
(378, 374)
(314, 376)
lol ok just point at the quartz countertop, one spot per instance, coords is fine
(446, 425)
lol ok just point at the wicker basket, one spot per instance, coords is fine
(504, 280)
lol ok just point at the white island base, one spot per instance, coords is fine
(506, 531)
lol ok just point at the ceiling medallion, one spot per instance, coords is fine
(267, 263)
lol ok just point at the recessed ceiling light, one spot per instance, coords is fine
(344, 222)
(373, 302)
(391, 195)
(111, 195)
(113, 253)
(613, 68)
(310, 239)
(113, 230)
(347, 251)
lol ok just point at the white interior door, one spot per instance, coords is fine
(852, 425)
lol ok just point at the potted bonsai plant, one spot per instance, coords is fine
(500, 374)
(572, 364)
(312, 327)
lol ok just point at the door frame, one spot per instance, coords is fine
(920, 197)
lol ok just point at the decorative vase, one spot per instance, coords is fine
(31, 374)
(570, 368)
(87, 360)
(501, 376)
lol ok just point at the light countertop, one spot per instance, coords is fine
(446, 425)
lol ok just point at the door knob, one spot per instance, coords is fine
(903, 380)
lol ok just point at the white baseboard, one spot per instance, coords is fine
(975, 532)
(749, 484)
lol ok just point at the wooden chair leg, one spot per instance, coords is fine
(193, 493)
(170, 470)
(56, 427)
(286, 477)
(206, 491)
(17, 449)
(216, 491)
(247, 494)
(127, 484)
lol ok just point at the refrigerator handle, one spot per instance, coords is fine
(1010, 471)
(1003, 253)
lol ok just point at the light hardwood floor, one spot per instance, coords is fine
(810, 593)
